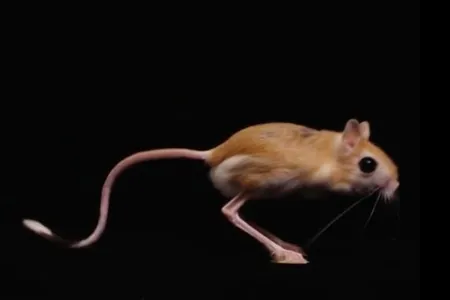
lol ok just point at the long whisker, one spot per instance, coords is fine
(312, 240)
(373, 210)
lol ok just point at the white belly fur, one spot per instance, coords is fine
(276, 186)
(221, 175)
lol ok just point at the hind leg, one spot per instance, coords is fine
(279, 254)
(279, 241)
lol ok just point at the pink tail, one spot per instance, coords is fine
(106, 191)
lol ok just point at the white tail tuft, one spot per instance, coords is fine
(37, 227)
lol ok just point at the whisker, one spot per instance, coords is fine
(313, 239)
(373, 210)
(386, 198)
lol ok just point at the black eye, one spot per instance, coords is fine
(367, 164)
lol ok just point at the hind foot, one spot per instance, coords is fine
(284, 256)
(293, 247)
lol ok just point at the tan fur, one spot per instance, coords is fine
(288, 156)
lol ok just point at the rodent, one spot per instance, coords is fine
(271, 160)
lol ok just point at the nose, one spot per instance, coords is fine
(393, 187)
(391, 184)
(395, 184)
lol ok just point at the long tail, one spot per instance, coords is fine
(45, 232)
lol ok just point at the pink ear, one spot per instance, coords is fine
(364, 128)
(351, 134)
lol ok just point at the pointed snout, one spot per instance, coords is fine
(393, 185)
(390, 189)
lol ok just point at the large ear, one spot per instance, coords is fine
(364, 128)
(351, 134)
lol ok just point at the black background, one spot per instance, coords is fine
(86, 98)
